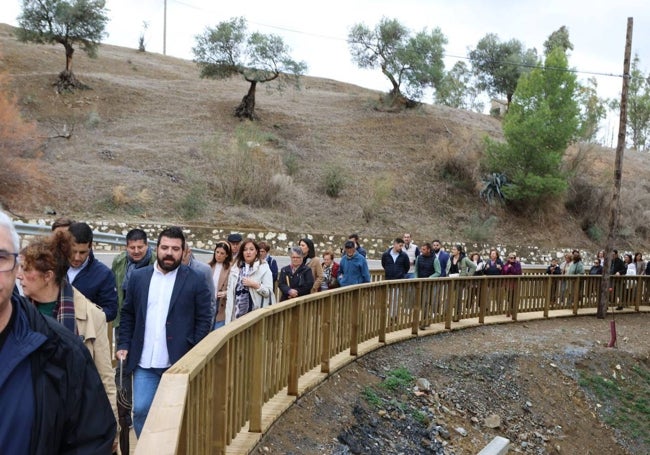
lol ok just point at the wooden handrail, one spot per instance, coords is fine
(226, 392)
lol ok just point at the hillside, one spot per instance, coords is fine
(138, 150)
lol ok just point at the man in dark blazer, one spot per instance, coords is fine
(166, 312)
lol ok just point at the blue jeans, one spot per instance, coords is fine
(145, 384)
(410, 275)
(218, 325)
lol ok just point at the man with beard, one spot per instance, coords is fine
(442, 257)
(166, 312)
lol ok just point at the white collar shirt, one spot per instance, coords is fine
(73, 272)
(154, 349)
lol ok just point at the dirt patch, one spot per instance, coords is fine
(523, 381)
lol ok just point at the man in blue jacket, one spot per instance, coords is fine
(166, 312)
(91, 277)
(53, 401)
(353, 268)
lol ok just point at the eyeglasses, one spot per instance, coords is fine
(8, 261)
(512, 257)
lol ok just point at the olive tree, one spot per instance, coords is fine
(65, 22)
(498, 65)
(411, 62)
(228, 49)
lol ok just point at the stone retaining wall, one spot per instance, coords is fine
(280, 242)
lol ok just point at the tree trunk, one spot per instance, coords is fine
(246, 108)
(69, 50)
(67, 81)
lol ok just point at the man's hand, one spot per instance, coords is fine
(121, 355)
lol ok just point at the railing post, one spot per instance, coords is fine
(482, 299)
(637, 293)
(417, 308)
(380, 302)
(354, 325)
(549, 289)
(258, 367)
(576, 294)
(326, 334)
(296, 350)
(448, 304)
(220, 433)
(515, 296)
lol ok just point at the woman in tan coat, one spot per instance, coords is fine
(220, 265)
(43, 277)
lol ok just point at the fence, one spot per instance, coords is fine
(228, 390)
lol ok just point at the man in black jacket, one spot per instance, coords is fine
(53, 400)
(395, 262)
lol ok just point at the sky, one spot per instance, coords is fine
(317, 31)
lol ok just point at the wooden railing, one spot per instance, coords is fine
(226, 392)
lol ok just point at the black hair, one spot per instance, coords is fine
(311, 252)
(173, 232)
(81, 232)
(136, 234)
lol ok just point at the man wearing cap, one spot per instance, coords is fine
(234, 240)
(353, 268)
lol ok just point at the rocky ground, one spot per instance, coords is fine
(548, 386)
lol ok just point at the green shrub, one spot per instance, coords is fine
(193, 204)
(334, 180)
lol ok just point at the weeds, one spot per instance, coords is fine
(371, 397)
(381, 190)
(334, 180)
(625, 400)
(397, 379)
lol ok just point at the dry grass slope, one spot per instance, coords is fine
(151, 140)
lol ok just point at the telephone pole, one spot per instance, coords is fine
(618, 174)
(165, 29)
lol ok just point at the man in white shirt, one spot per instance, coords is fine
(166, 312)
(412, 250)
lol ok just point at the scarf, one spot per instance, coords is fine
(243, 299)
(64, 309)
(132, 265)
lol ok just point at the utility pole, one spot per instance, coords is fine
(165, 29)
(618, 174)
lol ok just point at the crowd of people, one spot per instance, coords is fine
(56, 300)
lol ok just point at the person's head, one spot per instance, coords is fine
(614, 253)
(398, 244)
(436, 246)
(596, 262)
(249, 252)
(9, 245)
(264, 250)
(349, 248)
(575, 256)
(494, 254)
(235, 240)
(475, 256)
(553, 262)
(44, 264)
(171, 245)
(61, 223)
(512, 257)
(221, 255)
(82, 243)
(457, 250)
(568, 257)
(307, 246)
(328, 258)
(425, 249)
(136, 244)
(601, 254)
(627, 258)
(638, 257)
(355, 238)
(187, 254)
(407, 239)
(295, 256)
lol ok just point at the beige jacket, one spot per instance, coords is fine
(92, 328)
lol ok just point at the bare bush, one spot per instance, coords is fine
(243, 171)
